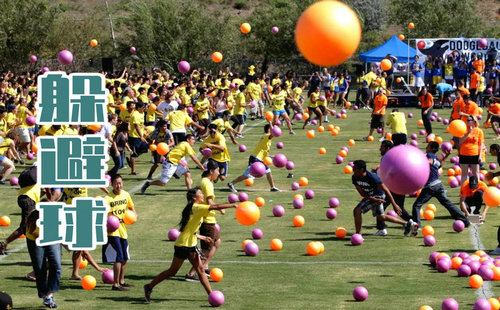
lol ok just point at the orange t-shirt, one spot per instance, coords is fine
(495, 109)
(456, 108)
(471, 109)
(464, 91)
(479, 65)
(474, 80)
(472, 145)
(465, 190)
(426, 100)
(380, 102)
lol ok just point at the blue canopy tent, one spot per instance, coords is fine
(393, 46)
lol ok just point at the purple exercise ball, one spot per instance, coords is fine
(449, 304)
(334, 202)
(173, 234)
(280, 145)
(309, 194)
(464, 270)
(232, 198)
(404, 169)
(112, 223)
(108, 276)
(257, 233)
(183, 66)
(298, 203)
(331, 213)
(290, 165)
(458, 226)
(257, 169)
(356, 239)
(279, 160)
(482, 304)
(295, 186)
(65, 57)
(278, 211)
(216, 298)
(429, 240)
(251, 249)
(360, 293)
(242, 197)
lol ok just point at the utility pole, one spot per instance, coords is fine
(110, 24)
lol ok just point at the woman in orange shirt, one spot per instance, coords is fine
(470, 147)
(427, 102)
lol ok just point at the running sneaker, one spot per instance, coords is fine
(145, 187)
(147, 292)
(275, 189)
(495, 251)
(191, 278)
(3, 248)
(381, 139)
(292, 132)
(414, 229)
(231, 187)
(407, 227)
(382, 232)
(49, 302)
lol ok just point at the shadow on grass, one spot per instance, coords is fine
(15, 264)
(356, 282)
(137, 300)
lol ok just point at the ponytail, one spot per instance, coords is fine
(186, 213)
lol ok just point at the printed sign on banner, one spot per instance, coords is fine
(445, 46)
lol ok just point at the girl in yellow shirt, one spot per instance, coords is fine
(185, 245)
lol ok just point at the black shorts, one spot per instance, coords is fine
(377, 121)
(495, 119)
(138, 146)
(27, 205)
(322, 108)
(204, 122)
(238, 120)
(222, 166)
(209, 230)
(183, 252)
(156, 157)
(468, 160)
(179, 137)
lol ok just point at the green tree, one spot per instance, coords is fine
(437, 18)
(23, 27)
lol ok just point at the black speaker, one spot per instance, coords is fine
(107, 65)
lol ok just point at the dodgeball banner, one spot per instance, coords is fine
(444, 47)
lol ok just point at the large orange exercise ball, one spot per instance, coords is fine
(327, 33)
(247, 213)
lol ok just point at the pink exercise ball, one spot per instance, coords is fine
(65, 57)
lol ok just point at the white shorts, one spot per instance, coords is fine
(254, 110)
(24, 134)
(168, 170)
(418, 82)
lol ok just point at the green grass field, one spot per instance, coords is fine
(394, 268)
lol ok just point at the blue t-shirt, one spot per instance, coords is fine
(369, 183)
(418, 67)
(429, 66)
(443, 87)
(436, 164)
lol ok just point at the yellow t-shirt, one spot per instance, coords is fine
(398, 122)
(186, 100)
(32, 192)
(111, 100)
(71, 193)
(187, 238)
(22, 115)
(238, 82)
(262, 148)
(297, 92)
(279, 100)
(143, 98)
(11, 119)
(180, 150)
(150, 116)
(4, 146)
(3, 125)
(136, 119)
(254, 91)
(313, 100)
(239, 107)
(201, 108)
(178, 120)
(125, 115)
(222, 125)
(118, 205)
(275, 82)
(217, 155)
(207, 187)
(68, 131)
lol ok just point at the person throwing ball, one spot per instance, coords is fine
(185, 245)
(373, 191)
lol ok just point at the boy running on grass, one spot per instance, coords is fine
(373, 191)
